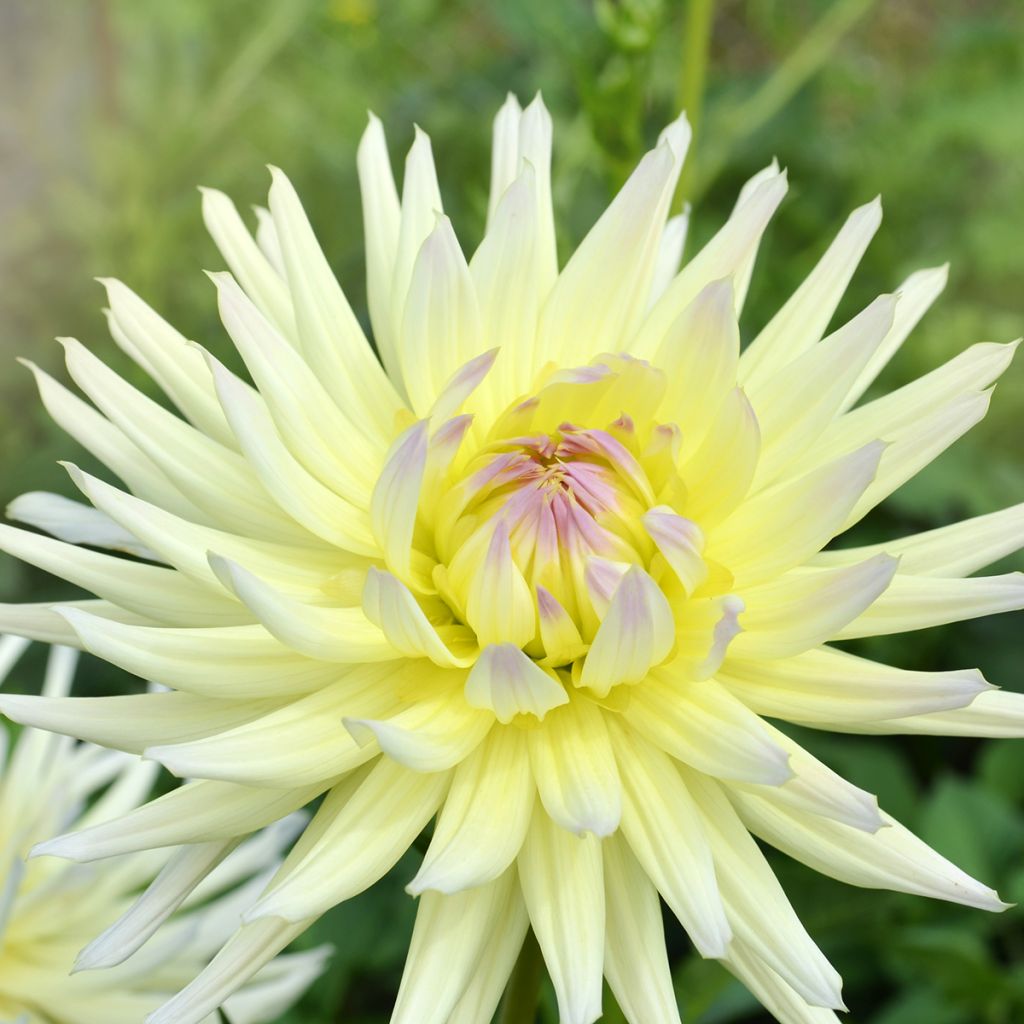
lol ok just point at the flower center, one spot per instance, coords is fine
(559, 511)
(553, 549)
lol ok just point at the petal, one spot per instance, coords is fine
(815, 789)
(670, 254)
(925, 404)
(302, 743)
(154, 592)
(535, 132)
(563, 885)
(726, 255)
(636, 633)
(135, 721)
(499, 605)
(276, 988)
(252, 946)
(915, 296)
(421, 202)
(911, 450)
(719, 474)
(507, 682)
(595, 304)
(40, 622)
(706, 628)
(430, 735)
(466, 849)
(241, 662)
(358, 839)
(331, 337)
(75, 523)
(574, 765)
(327, 634)
(702, 344)
(396, 497)
(783, 526)
(826, 685)
(389, 604)
(498, 954)
(381, 217)
(635, 960)
(806, 607)
(438, 971)
(663, 827)
(891, 858)
(189, 458)
(184, 544)
(262, 282)
(802, 320)
(778, 997)
(111, 447)
(758, 909)
(998, 714)
(197, 812)
(506, 277)
(458, 388)
(795, 405)
(504, 153)
(956, 550)
(440, 327)
(919, 602)
(168, 358)
(331, 518)
(304, 413)
(705, 726)
(267, 240)
(165, 894)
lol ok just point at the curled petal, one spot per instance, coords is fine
(509, 683)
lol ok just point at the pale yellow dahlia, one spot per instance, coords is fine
(50, 909)
(536, 574)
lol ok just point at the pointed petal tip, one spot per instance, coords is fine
(871, 209)
(110, 284)
(537, 103)
(226, 571)
(55, 847)
(362, 730)
(92, 959)
(75, 472)
(427, 879)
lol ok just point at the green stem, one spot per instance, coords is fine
(523, 992)
(801, 64)
(693, 71)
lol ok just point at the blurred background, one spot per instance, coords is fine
(114, 111)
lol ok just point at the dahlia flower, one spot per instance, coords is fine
(539, 573)
(49, 909)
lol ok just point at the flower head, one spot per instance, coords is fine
(50, 909)
(538, 572)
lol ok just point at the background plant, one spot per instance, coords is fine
(115, 110)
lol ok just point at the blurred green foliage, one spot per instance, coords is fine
(114, 111)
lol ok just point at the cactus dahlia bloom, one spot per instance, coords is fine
(49, 908)
(539, 575)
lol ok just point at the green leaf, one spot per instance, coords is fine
(918, 1007)
(975, 828)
